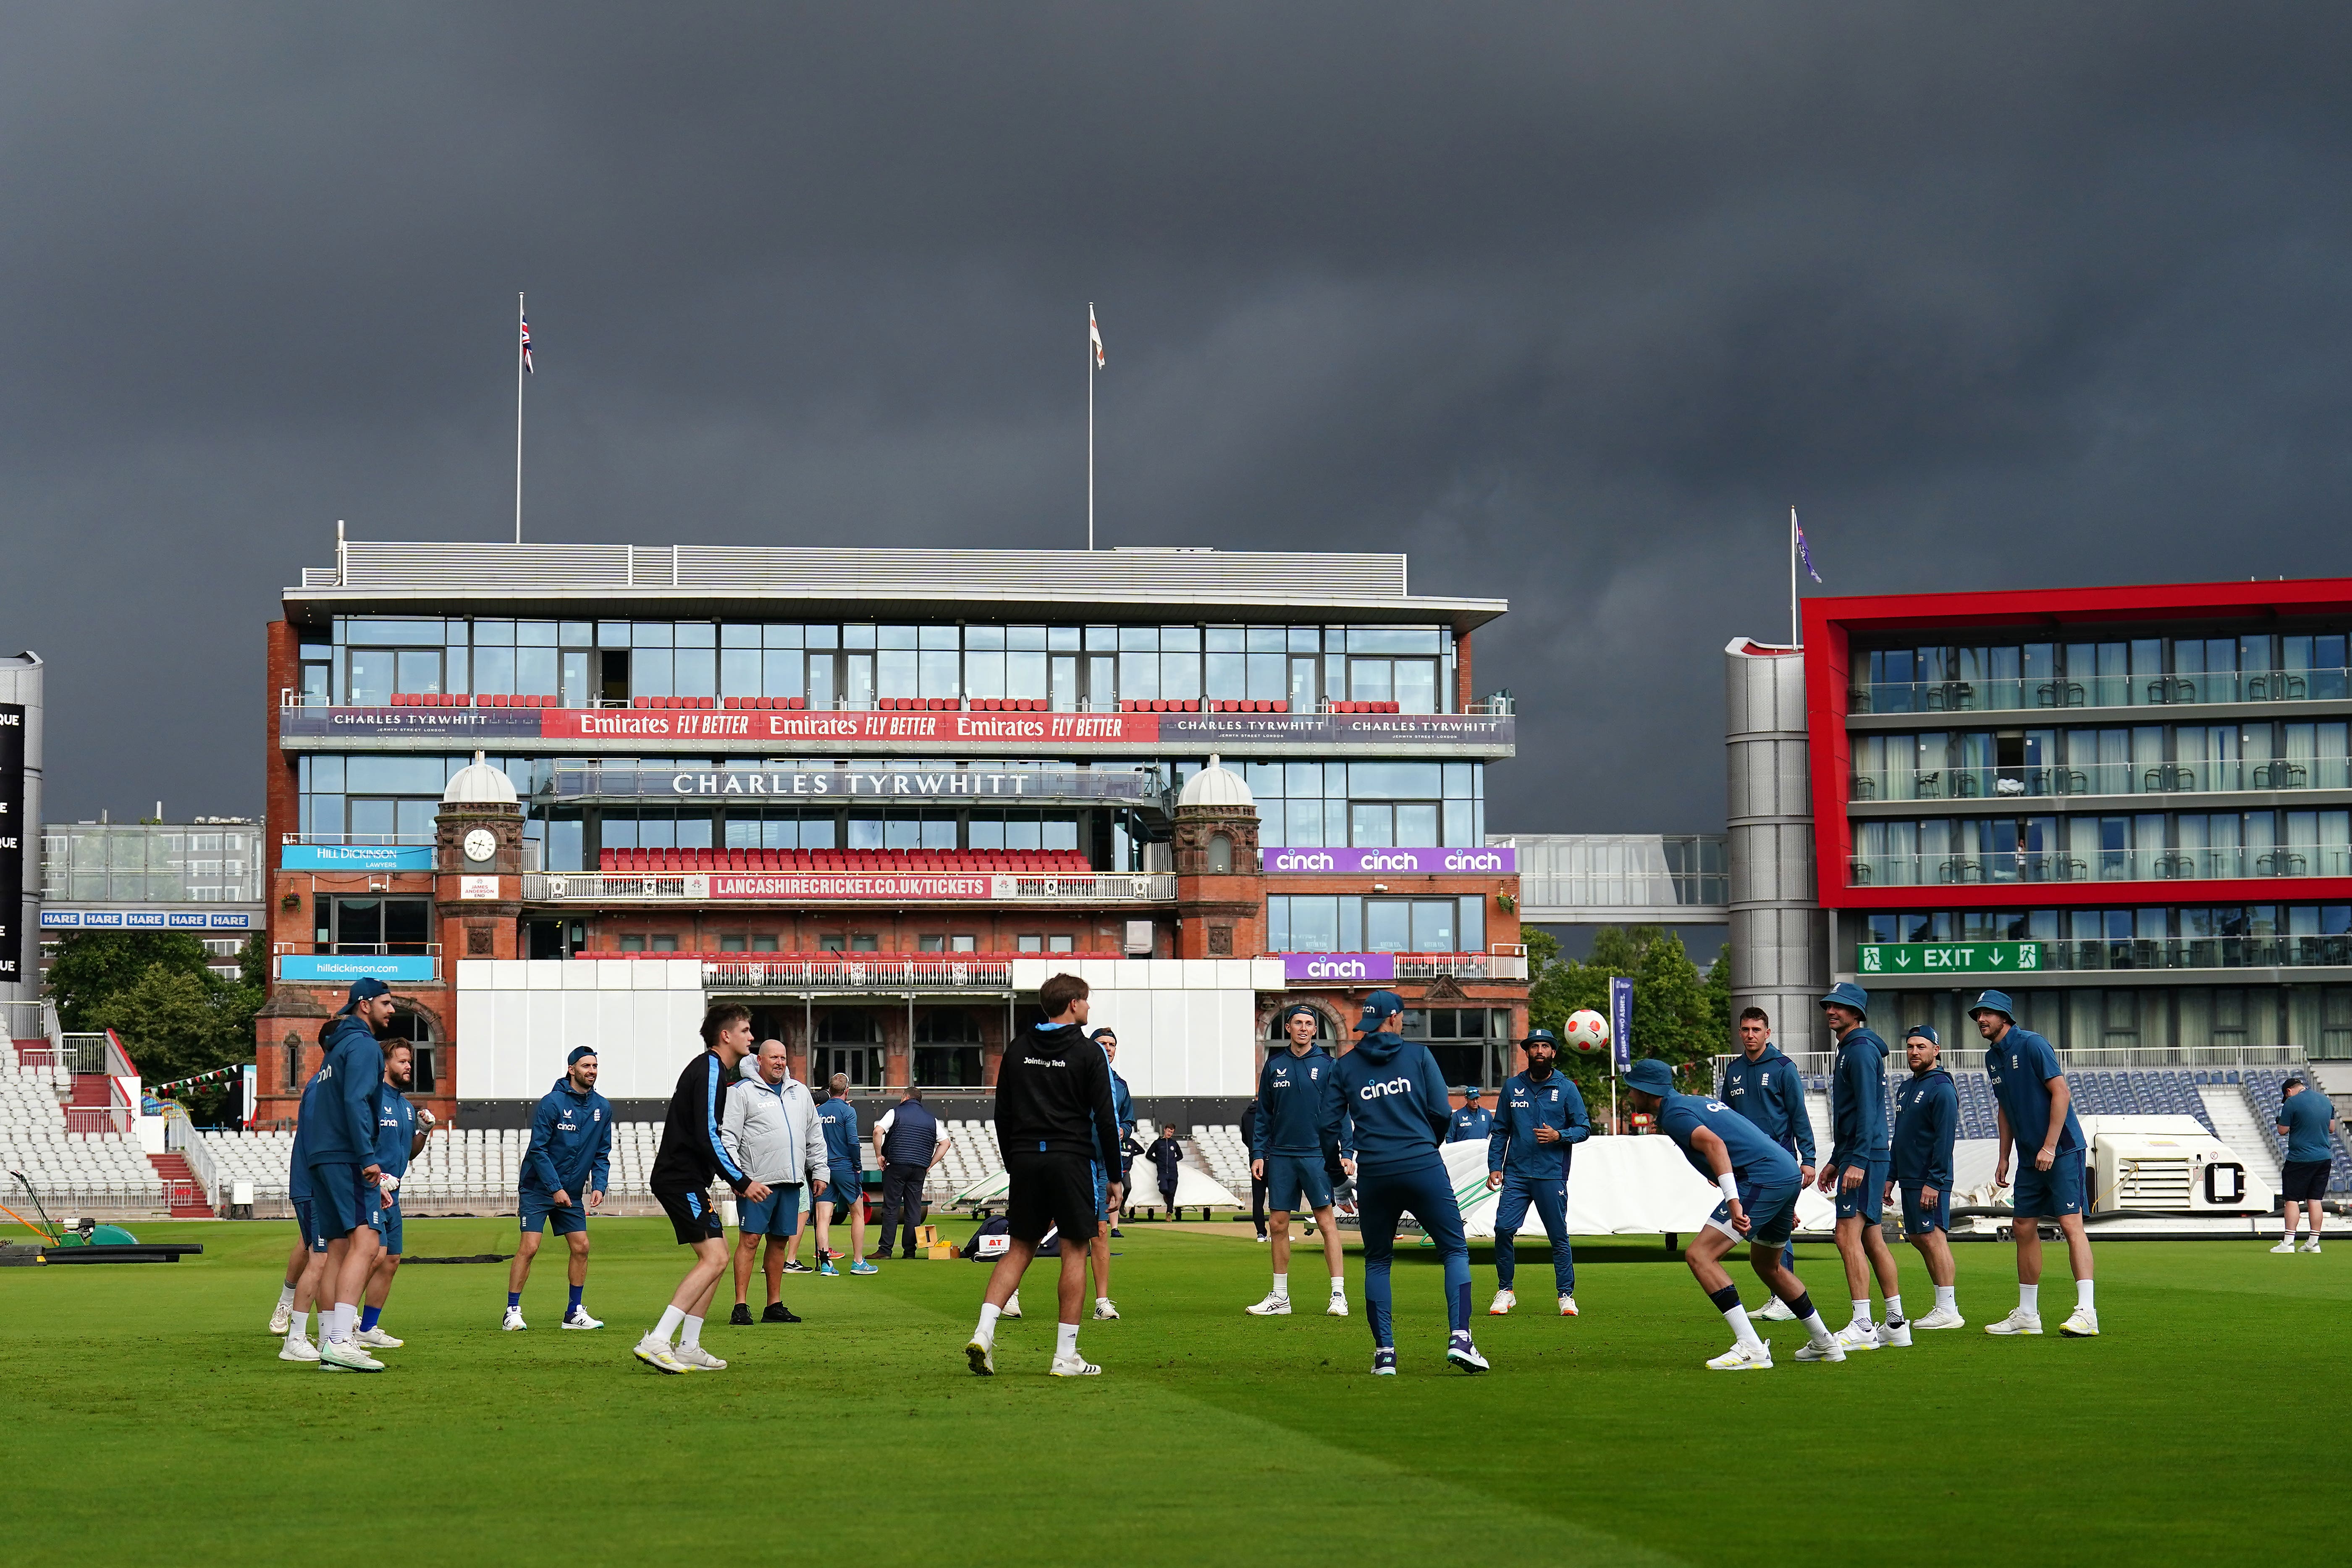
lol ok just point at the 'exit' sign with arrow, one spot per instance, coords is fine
(1936, 958)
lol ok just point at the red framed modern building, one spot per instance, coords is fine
(2129, 806)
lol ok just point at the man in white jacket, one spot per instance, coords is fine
(771, 1129)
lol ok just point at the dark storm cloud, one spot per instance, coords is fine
(1571, 303)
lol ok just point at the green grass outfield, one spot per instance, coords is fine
(143, 1418)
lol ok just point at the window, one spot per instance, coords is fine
(1411, 925)
(1465, 1041)
(931, 945)
(732, 943)
(1221, 854)
(372, 924)
(632, 944)
(1031, 943)
(664, 944)
(963, 944)
(1061, 944)
(848, 1040)
(947, 1048)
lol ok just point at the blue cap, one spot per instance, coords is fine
(1377, 1006)
(1546, 1035)
(1994, 1001)
(364, 988)
(1926, 1032)
(1846, 993)
(1294, 1009)
(1097, 1036)
(577, 1052)
(1651, 1076)
(1471, 1092)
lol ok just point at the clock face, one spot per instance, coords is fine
(481, 844)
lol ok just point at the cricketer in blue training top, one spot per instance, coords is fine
(1765, 1086)
(1287, 1156)
(1122, 1107)
(1538, 1117)
(1474, 1123)
(1391, 1095)
(298, 1170)
(344, 1202)
(1856, 1172)
(1926, 1124)
(845, 1183)
(566, 1167)
(2035, 1108)
(1760, 1184)
(398, 1140)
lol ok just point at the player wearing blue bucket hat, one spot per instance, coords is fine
(1760, 1184)
(2035, 1108)
(1856, 1169)
(1390, 1092)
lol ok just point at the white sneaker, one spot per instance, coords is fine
(578, 1318)
(298, 1350)
(694, 1358)
(1740, 1358)
(1011, 1306)
(1774, 1311)
(1858, 1336)
(2311, 1246)
(1500, 1306)
(1075, 1366)
(983, 1356)
(1894, 1336)
(1265, 1238)
(1568, 1307)
(1104, 1311)
(1274, 1306)
(1830, 1351)
(2286, 1246)
(377, 1339)
(2082, 1323)
(512, 1321)
(346, 1357)
(281, 1322)
(1338, 1307)
(2019, 1322)
(1941, 1318)
(657, 1354)
(1461, 1353)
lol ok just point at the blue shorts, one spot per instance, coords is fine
(2046, 1194)
(537, 1211)
(1868, 1200)
(1917, 1218)
(1771, 1213)
(1291, 1178)
(390, 1224)
(778, 1214)
(302, 1217)
(842, 1187)
(341, 1202)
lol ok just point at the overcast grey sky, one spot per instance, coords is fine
(1569, 302)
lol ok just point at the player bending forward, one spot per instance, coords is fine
(1393, 1095)
(1760, 1184)
(1059, 1131)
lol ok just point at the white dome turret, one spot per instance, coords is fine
(1217, 785)
(479, 783)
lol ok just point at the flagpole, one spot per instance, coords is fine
(1090, 424)
(519, 319)
(1794, 639)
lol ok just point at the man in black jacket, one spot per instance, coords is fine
(1059, 1135)
(691, 1153)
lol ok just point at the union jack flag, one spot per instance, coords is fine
(526, 347)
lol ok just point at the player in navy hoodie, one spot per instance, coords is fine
(1926, 1124)
(1397, 1101)
(1855, 1173)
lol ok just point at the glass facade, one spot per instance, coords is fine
(2115, 759)
(201, 863)
(1348, 923)
(370, 659)
(2219, 664)
(2310, 1020)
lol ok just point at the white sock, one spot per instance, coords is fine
(986, 1333)
(1338, 1285)
(690, 1330)
(670, 1318)
(1819, 1330)
(340, 1330)
(1282, 1286)
(1893, 1310)
(1741, 1330)
(1862, 1312)
(300, 1330)
(2028, 1299)
(1066, 1339)
(286, 1296)
(2083, 1295)
(1944, 1298)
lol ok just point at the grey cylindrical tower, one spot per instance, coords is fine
(20, 687)
(1779, 945)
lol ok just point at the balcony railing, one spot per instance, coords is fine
(848, 887)
(876, 972)
(1462, 965)
(2200, 953)
(2100, 866)
(2100, 691)
(2103, 778)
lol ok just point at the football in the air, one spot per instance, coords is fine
(1587, 1032)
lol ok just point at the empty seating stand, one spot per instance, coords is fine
(847, 862)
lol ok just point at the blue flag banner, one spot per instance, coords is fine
(1621, 1021)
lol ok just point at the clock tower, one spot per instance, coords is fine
(477, 865)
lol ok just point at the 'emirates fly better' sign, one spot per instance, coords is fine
(1937, 958)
